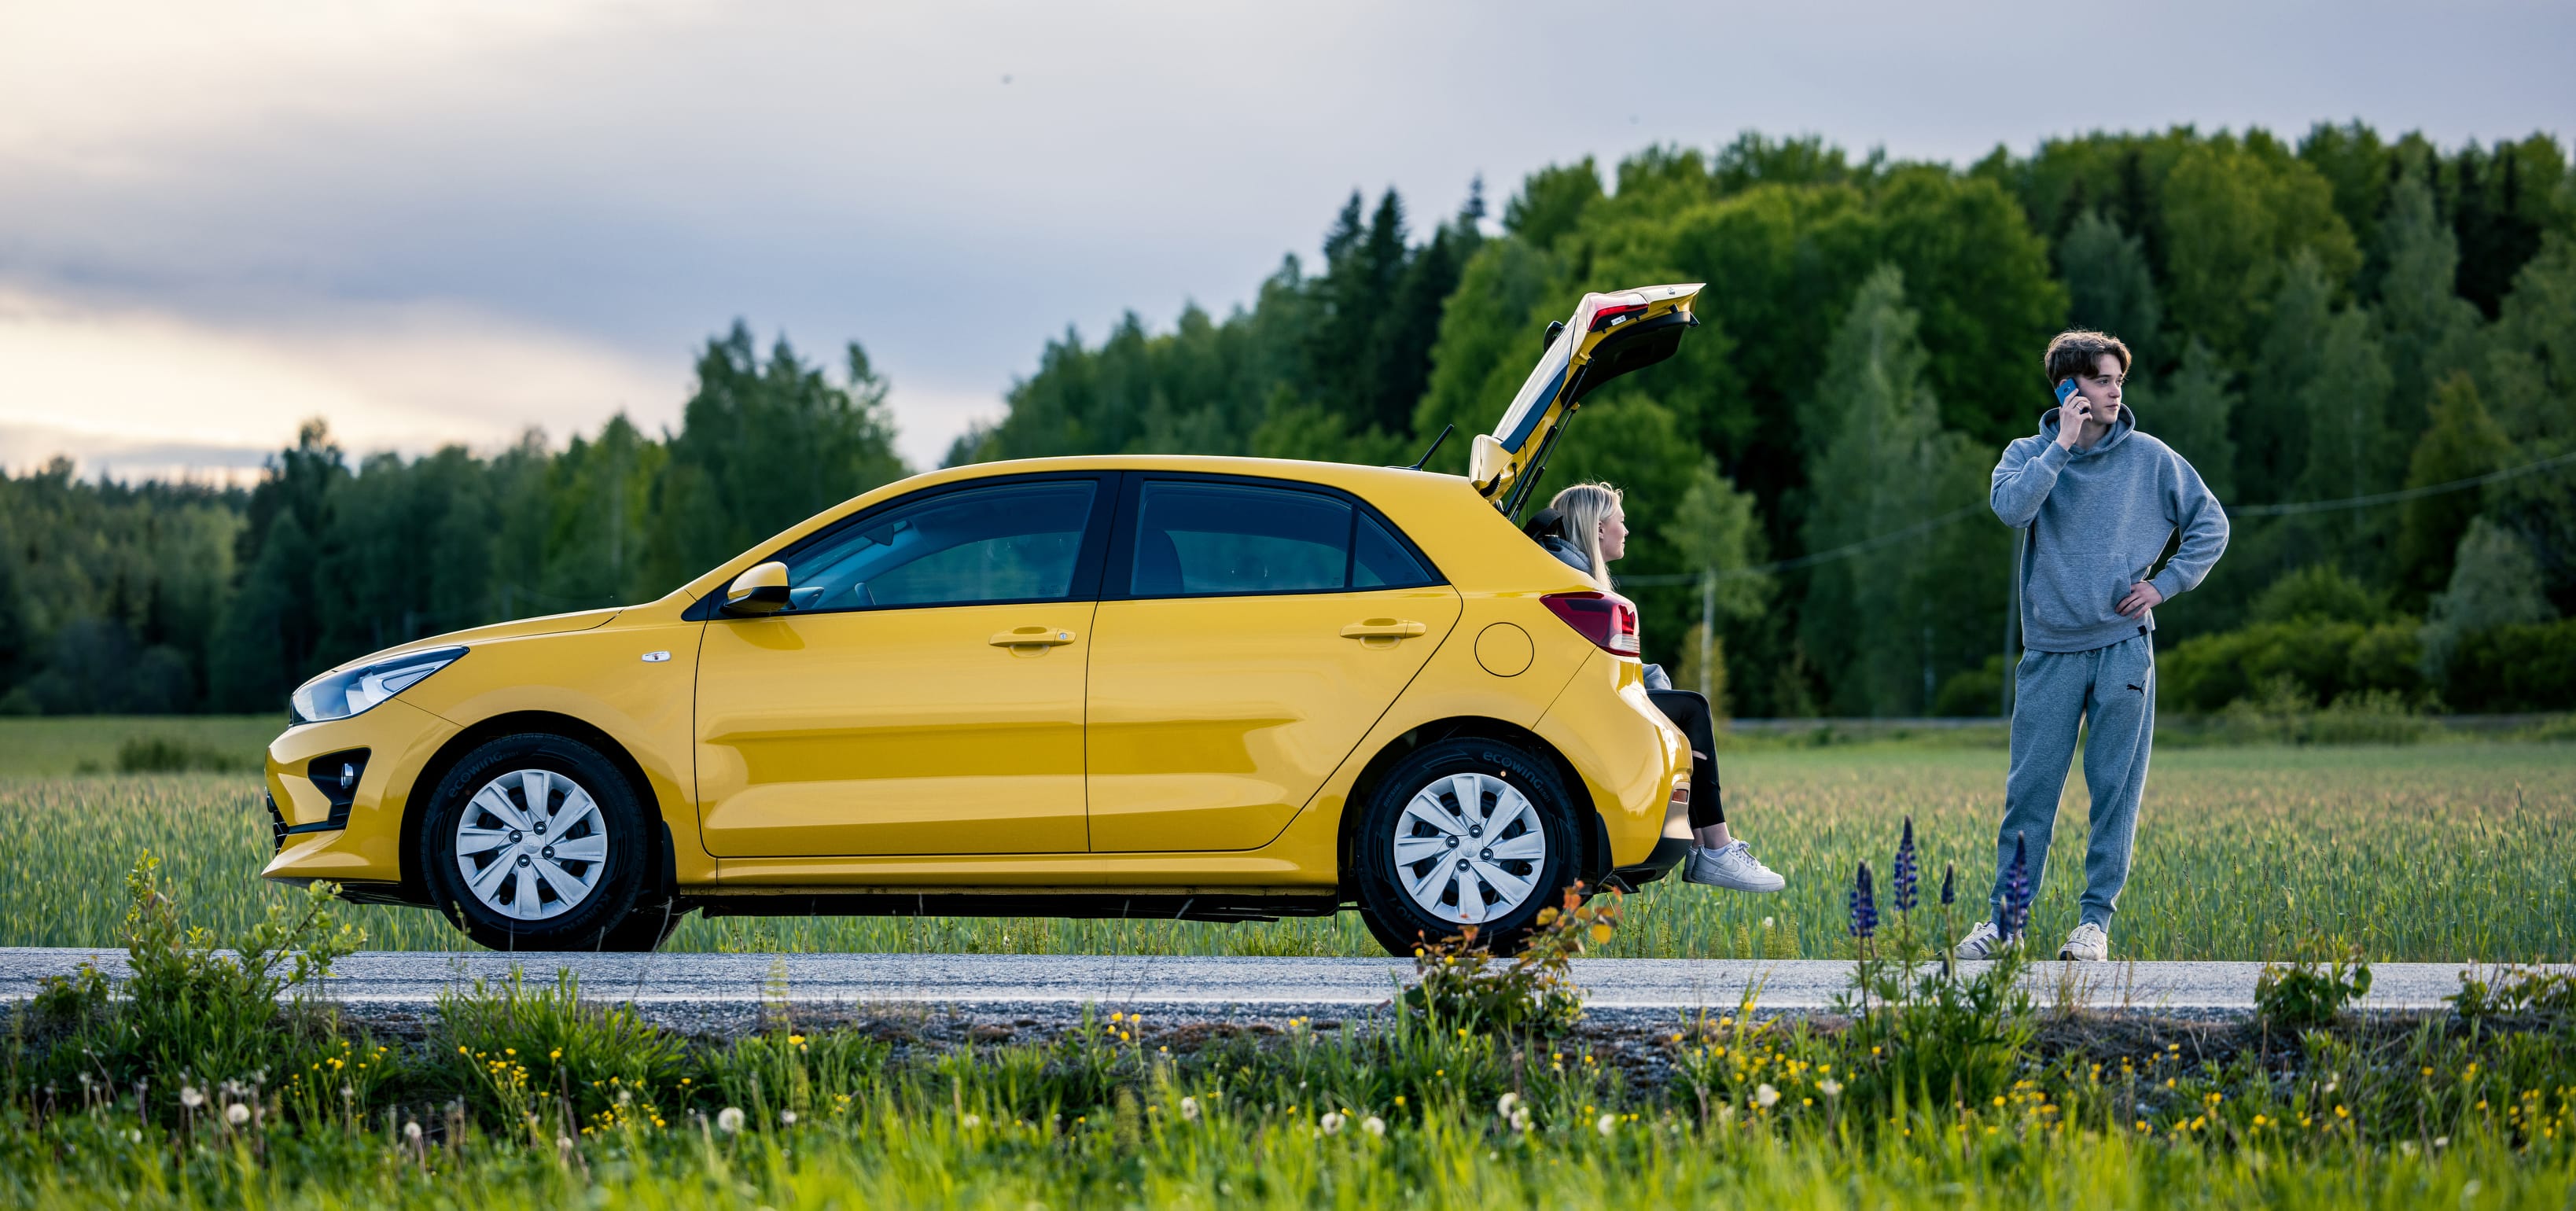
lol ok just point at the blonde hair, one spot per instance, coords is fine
(1585, 507)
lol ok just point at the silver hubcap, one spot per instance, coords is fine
(1469, 848)
(531, 844)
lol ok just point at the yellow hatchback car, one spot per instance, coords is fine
(1132, 686)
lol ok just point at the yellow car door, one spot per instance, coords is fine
(921, 691)
(1250, 633)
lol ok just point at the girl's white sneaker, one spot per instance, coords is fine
(2090, 943)
(1732, 867)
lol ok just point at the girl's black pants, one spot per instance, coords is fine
(1689, 712)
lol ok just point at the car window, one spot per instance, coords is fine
(1211, 538)
(1007, 542)
(1378, 561)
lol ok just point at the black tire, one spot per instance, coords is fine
(593, 920)
(1394, 915)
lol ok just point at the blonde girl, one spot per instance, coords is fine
(1587, 527)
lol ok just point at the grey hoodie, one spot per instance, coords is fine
(2097, 520)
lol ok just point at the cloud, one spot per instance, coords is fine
(586, 190)
(121, 387)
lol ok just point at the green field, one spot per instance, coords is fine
(2429, 852)
(510, 1098)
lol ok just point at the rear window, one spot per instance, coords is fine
(1209, 539)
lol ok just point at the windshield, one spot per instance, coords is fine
(1545, 380)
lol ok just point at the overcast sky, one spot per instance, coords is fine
(447, 221)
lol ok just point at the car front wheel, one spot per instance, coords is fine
(537, 842)
(1466, 832)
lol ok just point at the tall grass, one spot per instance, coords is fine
(2430, 852)
(190, 1085)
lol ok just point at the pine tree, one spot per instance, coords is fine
(2462, 443)
(2190, 410)
(2108, 287)
(265, 641)
(1882, 462)
(2494, 582)
(2428, 330)
(2272, 431)
(2349, 445)
(762, 445)
(1552, 202)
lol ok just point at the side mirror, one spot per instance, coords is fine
(1549, 341)
(761, 589)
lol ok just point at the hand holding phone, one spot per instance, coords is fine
(2072, 411)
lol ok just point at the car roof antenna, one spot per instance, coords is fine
(1419, 463)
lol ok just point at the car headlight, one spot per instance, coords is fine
(352, 691)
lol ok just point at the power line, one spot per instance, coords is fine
(1867, 545)
(1845, 551)
(2390, 498)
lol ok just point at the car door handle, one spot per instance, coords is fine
(1384, 628)
(1032, 637)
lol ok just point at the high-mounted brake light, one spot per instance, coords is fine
(1615, 313)
(1609, 622)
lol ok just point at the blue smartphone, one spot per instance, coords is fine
(2065, 392)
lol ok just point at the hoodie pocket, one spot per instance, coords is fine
(2077, 591)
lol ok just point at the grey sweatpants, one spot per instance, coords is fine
(2113, 690)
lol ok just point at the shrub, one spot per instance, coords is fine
(2326, 660)
(2306, 994)
(1973, 693)
(2319, 592)
(163, 755)
(194, 1012)
(516, 1044)
(2516, 992)
(2284, 714)
(2524, 667)
(1458, 983)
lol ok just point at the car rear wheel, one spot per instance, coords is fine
(1466, 832)
(537, 842)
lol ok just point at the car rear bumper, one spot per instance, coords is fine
(1667, 854)
(1630, 758)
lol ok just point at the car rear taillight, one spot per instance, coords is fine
(1613, 313)
(1609, 622)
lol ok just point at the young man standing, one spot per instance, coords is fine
(2100, 500)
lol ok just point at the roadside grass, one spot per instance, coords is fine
(526, 1095)
(2452, 851)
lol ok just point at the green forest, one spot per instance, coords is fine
(2328, 328)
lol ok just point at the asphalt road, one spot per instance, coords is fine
(712, 989)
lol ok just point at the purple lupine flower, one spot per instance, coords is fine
(1949, 884)
(2017, 889)
(1864, 905)
(1906, 869)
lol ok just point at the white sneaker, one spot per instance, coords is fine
(1732, 867)
(2089, 944)
(1984, 941)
